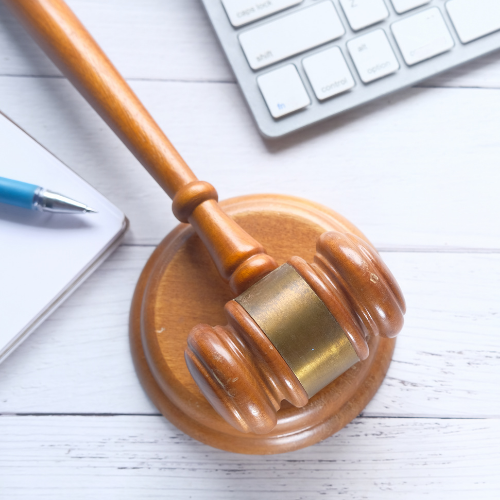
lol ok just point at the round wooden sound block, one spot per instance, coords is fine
(180, 288)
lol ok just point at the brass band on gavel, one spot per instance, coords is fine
(300, 327)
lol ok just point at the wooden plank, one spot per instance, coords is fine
(152, 39)
(79, 359)
(416, 171)
(146, 457)
(172, 40)
(411, 171)
(449, 351)
(445, 364)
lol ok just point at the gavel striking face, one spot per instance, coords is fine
(291, 330)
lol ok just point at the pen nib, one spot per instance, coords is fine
(48, 201)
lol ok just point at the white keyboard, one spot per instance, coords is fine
(302, 61)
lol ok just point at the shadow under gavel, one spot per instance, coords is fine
(291, 329)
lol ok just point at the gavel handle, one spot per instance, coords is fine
(240, 259)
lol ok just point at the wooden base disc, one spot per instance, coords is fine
(179, 288)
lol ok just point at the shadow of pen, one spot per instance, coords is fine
(16, 215)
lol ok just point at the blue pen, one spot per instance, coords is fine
(33, 197)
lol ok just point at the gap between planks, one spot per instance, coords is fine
(197, 81)
(361, 416)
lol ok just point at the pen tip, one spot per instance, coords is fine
(89, 210)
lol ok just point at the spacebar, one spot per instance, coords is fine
(289, 35)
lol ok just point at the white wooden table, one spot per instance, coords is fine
(418, 172)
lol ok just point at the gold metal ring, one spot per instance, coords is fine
(300, 326)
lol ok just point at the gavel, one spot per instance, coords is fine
(292, 329)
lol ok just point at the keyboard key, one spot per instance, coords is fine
(241, 12)
(474, 19)
(292, 34)
(422, 36)
(373, 56)
(364, 13)
(328, 73)
(283, 91)
(401, 6)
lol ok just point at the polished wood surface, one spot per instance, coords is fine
(180, 274)
(236, 366)
(240, 373)
(76, 421)
(66, 41)
(358, 277)
(239, 258)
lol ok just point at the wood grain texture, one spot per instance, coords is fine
(445, 362)
(240, 259)
(134, 36)
(417, 172)
(126, 457)
(178, 275)
(70, 46)
(409, 181)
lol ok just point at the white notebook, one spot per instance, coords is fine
(44, 257)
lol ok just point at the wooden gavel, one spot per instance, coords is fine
(292, 329)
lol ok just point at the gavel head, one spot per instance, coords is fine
(295, 331)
